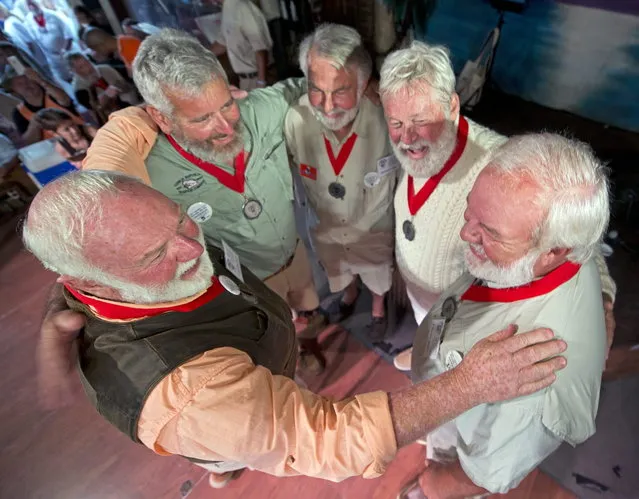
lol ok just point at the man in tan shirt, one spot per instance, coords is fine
(338, 142)
(244, 36)
(212, 379)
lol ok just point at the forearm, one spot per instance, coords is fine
(261, 58)
(418, 410)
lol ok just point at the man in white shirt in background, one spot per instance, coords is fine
(244, 36)
(530, 264)
(54, 35)
(441, 153)
(339, 144)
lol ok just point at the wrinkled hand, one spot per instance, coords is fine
(611, 324)
(56, 358)
(503, 366)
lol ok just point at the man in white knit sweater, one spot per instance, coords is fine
(441, 153)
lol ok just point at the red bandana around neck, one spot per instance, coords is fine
(101, 83)
(39, 19)
(542, 286)
(233, 182)
(128, 312)
(416, 201)
(342, 157)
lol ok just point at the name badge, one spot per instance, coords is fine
(435, 335)
(387, 164)
(232, 261)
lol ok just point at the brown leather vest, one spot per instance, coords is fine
(121, 363)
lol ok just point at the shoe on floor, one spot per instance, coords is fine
(403, 359)
(311, 361)
(310, 324)
(221, 480)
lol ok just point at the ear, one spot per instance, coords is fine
(160, 119)
(550, 260)
(454, 107)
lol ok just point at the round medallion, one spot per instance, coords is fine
(200, 212)
(228, 284)
(409, 230)
(252, 209)
(371, 179)
(337, 190)
(449, 307)
(453, 359)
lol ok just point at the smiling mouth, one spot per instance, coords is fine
(415, 152)
(191, 272)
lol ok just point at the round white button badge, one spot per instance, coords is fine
(228, 284)
(453, 359)
(200, 212)
(371, 179)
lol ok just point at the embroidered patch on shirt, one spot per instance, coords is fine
(189, 183)
(308, 172)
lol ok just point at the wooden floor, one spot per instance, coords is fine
(73, 454)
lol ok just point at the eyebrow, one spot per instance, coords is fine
(204, 116)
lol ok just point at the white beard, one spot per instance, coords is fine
(214, 154)
(517, 273)
(437, 155)
(338, 122)
(176, 289)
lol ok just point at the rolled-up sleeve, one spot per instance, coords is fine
(502, 443)
(123, 143)
(221, 407)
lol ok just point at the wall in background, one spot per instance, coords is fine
(577, 55)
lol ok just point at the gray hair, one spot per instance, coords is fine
(341, 45)
(172, 60)
(574, 189)
(56, 227)
(420, 65)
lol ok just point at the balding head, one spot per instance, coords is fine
(112, 236)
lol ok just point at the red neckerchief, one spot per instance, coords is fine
(123, 311)
(101, 83)
(233, 182)
(416, 201)
(542, 286)
(342, 157)
(39, 19)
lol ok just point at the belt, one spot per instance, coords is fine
(285, 266)
(247, 75)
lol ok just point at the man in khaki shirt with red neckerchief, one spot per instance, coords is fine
(338, 142)
(222, 396)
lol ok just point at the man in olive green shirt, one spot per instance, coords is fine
(226, 164)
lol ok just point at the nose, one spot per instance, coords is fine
(223, 126)
(470, 233)
(408, 135)
(327, 104)
(187, 249)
